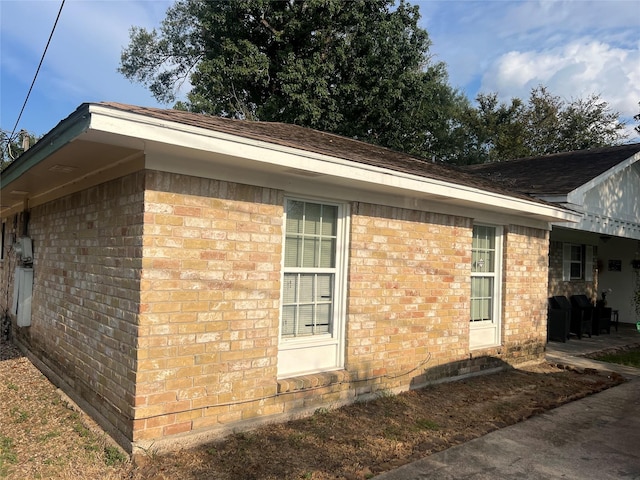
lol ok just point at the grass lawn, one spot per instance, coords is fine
(630, 358)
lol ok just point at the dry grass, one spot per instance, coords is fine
(41, 437)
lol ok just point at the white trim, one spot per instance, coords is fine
(322, 186)
(280, 159)
(566, 262)
(622, 226)
(588, 263)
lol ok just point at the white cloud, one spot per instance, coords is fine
(574, 70)
(575, 48)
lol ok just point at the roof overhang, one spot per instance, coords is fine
(99, 142)
(598, 222)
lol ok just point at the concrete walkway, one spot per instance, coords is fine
(597, 437)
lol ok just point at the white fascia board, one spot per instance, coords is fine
(152, 130)
(557, 199)
(605, 226)
(315, 186)
(577, 196)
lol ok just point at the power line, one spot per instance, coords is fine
(37, 71)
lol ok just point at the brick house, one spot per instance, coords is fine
(601, 252)
(181, 276)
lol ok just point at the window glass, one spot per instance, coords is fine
(310, 261)
(312, 218)
(576, 253)
(483, 249)
(295, 211)
(288, 320)
(327, 253)
(481, 299)
(576, 261)
(292, 252)
(329, 220)
(576, 270)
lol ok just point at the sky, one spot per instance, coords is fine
(575, 48)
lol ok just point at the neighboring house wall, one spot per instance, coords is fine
(87, 249)
(157, 300)
(613, 214)
(609, 205)
(615, 272)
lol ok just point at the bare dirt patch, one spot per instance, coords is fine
(43, 438)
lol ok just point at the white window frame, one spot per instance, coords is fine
(320, 352)
(488, 333)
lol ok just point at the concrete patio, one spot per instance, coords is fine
(574, 350)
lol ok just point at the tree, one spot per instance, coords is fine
(545, 124)
(637, 119)
(491, 132)
(359, 68)
(557, 126)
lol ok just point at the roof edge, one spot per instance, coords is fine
(343, 166)
(64, 132)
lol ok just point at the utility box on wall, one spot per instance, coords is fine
(24, 249)
(22, 292)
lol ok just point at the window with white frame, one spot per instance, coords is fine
(485, 286)
(312, 294)
(483, 273)
(577, 262)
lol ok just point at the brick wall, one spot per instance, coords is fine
(207, 352)
(210, 307)
(409, 287)
(525, 294)
(409, 297)
(87, 249)
(175, 323)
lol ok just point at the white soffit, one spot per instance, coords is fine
(160, 135)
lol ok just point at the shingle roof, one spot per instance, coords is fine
(556, 174)
(325, 143)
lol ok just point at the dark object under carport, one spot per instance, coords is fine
(582, 312)
(558, 319)
(602, 318)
